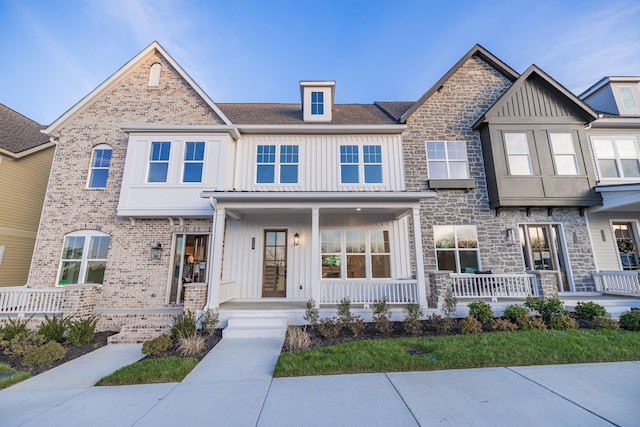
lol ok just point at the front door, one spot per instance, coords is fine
(189, 264)
(274, 267)
(543, 250)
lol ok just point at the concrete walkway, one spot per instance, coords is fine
(233, 386)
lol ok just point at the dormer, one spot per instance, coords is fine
(317, 100)
(615, 95)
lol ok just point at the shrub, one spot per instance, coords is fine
(329, 328)
(412, 315)
(157, 346)
(562, 322)
(54, 328)
(501, 325)
(344, 311)
(546, 307)
(13, 328)
(590, 310)
(382, 316)
(82, 331)
(191, 346)
(606, 322)
(297, 339)
(441, 324)
(184, 326)
(22, 343)
(44, 355)
(481, 311)
(531, 323)
(630, 320)
(312, 313)
(470, 325)
(355, 324)
(210, 320)
(449, 306)
(515, 313)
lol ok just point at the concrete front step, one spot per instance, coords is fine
(139, 332)
(255, 327)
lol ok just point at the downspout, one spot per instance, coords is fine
(214, 203)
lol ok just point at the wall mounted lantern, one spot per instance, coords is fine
(296, 239)
(511, 236)
(156, 252)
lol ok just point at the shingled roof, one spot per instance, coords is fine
(291, 114)
(19, 133)
(395, 108)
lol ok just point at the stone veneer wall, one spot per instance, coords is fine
(448, 115)
(132, 279)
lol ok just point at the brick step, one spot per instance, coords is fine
(131, 338)
(145, 326)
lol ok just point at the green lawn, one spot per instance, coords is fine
(464, 351)
(13, 379)
(149, 371)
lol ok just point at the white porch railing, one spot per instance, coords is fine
(23, 301)
(494, 286)
(368, 291)
(618, 282)
(229, 290)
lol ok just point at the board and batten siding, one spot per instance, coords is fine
(533, 100)
(602, 237)
(319, 162)
(244, 264)
(24, 183)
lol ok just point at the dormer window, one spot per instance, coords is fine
(317, 103)
(628, 100)
(317, 100)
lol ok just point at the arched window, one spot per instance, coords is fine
(154, 74)
(84, 257)
(100, 162)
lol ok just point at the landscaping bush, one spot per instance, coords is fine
(13, 328)
(297, 339)
(191, 346)
(54, 328)
(630, 320)
(312, 313)
(382, 316)
(412, 315)
(44, 355)
(546, 307)
(441, 324)
(531, 323)
(82, 331)
(516, 313)
(501, 325)
(184, 326)
(210, 320)
(22, 343)
(329, 328)
(344, 311)
(606, 322)
(480, 310)
(590, 310)
(157, 346)
(470, 325)
(449, 306)
(562, 322)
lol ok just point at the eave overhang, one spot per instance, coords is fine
(230, 129)
(323, 129)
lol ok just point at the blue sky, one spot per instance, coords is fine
(55, 52)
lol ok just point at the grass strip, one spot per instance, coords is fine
(522, 348)
(150, 371)
(13, 379)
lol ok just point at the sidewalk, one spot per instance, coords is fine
(233, 386)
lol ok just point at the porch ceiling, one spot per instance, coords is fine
(621, 197)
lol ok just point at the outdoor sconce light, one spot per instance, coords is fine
(511, 236)
(156, 251)
(296, 239)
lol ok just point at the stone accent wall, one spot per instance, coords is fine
(547, 284)
(448, 115)
(195, 297)
(132, 279)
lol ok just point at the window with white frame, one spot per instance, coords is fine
(193, 161)
(564, 153)
(159, 161)
(625, 235)
(366, 254)
(447, 160)
(617, 157)
(628, 100)
(84, 257)
(352, 168)
(100, 163)
(281, 169)
(518, 155)
(317, 103)
(457, 248)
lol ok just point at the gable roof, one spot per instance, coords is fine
(476, 50)
(153, 47)
(534, 72)
(19, 135)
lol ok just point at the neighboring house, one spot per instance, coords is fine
(25, 161)
(614, 138)
(169, 201)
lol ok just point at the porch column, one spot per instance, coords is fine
(417, 241)
(219, 218)
(315, 254)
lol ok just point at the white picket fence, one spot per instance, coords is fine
(618, 282)
(22, 301)
(368, 291)
(494, 286)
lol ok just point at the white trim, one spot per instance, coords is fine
(322, 129)
(152, 130)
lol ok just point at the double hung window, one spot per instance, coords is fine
(447, 160)
(84, 257)
(366, 254)
(193, 162)
(317, 103)
(628, 100)
(353, 169)
(457, 248)
(159, 161)
(100, 162)
(617, 157)
(518, 155)
(281, 169)
(564, 153)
